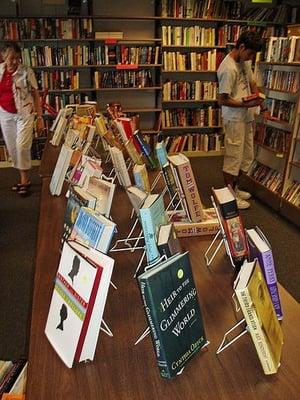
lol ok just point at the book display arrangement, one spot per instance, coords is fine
(165, 210)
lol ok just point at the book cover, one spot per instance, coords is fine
(257, 307)
(136, 197)
(167, 241)
(103, 191)
(173, 312)
(259, 248)
(93, 230)
(78, 198)
(60, 170)
(185, 228)
(152, 215)
(120, 166)
(254, 96)
(232, 224)
(145, 148)
(189, 186)
(78, 300)
(141, 177)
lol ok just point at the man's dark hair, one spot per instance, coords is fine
(251, 40)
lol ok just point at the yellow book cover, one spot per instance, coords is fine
(257, 307)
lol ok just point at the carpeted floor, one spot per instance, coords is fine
(18, 234)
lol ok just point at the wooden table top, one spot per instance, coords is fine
(121, 370)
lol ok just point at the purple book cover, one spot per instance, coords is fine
(260, 249)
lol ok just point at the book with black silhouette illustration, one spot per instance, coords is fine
(173, 312)
(78, 300)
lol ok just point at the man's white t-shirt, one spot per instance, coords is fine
(234, 79)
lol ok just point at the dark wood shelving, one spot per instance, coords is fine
(279, 154)
(188, 101)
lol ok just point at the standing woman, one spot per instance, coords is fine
(19, 101)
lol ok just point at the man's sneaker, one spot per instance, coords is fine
(241, 194)
(242, 204)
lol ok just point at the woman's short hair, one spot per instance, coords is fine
(10, 46)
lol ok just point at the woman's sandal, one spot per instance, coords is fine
(18, 186)
(23, 190)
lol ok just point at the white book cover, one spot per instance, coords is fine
(104, 192)
(120, 166)
(60, 170)
(78, 300)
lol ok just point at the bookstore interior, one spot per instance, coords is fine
(140, 291)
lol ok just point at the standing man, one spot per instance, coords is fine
(236, 81)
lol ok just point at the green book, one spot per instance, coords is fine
(172, 308)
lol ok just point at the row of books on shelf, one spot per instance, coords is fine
(114, 54)
(285, 81)
(188, 36)
(203, 9)
(13, 376)
(292, 193)
(276, 139)
(268, 177)
(67, 56)
(46, 28)
(58, 80)
(280, 110)
(229, 34)
(283, 49)
(194, 142)
(123, 79)
(63, 99)
(195, 90)
(206, 116)
(202, 61)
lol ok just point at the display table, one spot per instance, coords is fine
(121, 370)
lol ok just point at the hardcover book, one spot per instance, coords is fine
(189, 187)
(78, 300)
(152, 215)
(78, 198)
(232, 224)
(141, 177)
(167, 241)
(103, 190)
(137, 197)
(257, 307)
(260, 248)
(120, 166)
(60, 170)
(93, 230)
(173, 312)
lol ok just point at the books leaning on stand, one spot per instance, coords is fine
(152, 215)
(260, 248)
(78, 300)
(93, 230)
(167, 241)
(232, 223)
(256, 305)
(172, 309)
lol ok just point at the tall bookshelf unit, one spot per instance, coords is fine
(275, 174)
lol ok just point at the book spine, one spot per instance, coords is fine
(149, 236)
(268, 267)
(191, 192)
(157, 343)
(256, 331)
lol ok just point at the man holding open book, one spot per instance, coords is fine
(236, 89)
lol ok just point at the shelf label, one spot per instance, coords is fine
(110, 41)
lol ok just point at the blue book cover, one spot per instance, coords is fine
(152, 215)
